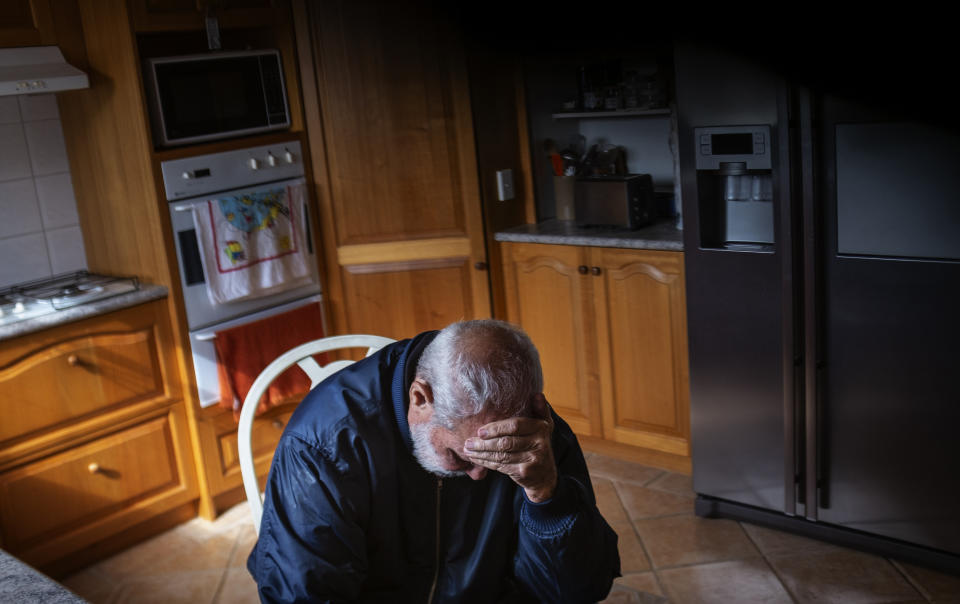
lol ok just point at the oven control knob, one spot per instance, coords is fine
(271, 159)
(254, 163)
(187, 176)
(288, 157)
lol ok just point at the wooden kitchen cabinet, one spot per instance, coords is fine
(389, 122)
(119, 190)
(611, 329)
(94, 440)
(185, 15)
(222, 462)
(552, 299)
(26, 23)
(79, 377)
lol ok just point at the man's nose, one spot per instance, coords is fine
(477, 472)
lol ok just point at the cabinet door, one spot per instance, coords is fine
(173, 15)
(549, 296)
(642, 346)
(71, 499)
(84, 376)
(403, 205)
(26, 23)
(221, 456)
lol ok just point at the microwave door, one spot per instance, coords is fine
(198, 98)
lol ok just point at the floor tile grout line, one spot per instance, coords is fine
(707, 562)
(911, 580)
(655, 478)
(643, 545)
(226, 568)
(773, 569)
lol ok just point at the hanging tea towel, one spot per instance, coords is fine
(251, 245)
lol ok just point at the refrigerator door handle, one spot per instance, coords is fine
(787, 167)
(810, 309)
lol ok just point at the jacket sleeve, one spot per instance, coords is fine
(312, 545)
(566, 551)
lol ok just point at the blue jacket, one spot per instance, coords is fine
(350, 515)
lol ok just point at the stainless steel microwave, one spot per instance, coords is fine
(218, 95)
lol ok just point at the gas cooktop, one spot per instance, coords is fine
(49, 295)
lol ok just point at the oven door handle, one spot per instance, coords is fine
(205, 337)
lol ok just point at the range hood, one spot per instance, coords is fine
(36, 69)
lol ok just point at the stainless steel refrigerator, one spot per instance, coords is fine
(822, 250)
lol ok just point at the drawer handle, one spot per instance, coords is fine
(74, 361)
(595, 270)
(582, 269)
(277, 424)
(93, 468)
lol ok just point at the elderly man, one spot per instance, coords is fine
(433, 471)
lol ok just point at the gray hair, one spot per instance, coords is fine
(478, 366)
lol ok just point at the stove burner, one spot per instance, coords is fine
(78, 289)
(45, 296)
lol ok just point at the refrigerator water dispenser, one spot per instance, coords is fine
(735, 187)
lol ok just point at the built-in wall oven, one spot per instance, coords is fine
(231, 174)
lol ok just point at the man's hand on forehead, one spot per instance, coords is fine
(520, 448)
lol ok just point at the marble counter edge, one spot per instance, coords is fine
(663, 236)
(22, 583)
(146, 293)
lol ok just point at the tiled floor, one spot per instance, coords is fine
(667, 555)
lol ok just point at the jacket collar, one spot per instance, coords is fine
(403, 375)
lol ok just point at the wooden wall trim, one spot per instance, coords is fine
(400, 251)
(523, 140)
(410, 265)
(309, 87)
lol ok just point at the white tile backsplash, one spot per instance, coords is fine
(39, 227)
(35, 107)
(66, 250)
(57, 204)
(48, 150)
(9, 110)
(24, 258)
(14, 157)
(19, 210)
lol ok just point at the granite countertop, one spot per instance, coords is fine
(146, 293)
(661, 235)
(20, 583)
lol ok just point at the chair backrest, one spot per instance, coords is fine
(303, 357)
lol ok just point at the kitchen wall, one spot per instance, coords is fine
(647, 140)
(39, 228)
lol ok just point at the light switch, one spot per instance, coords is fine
(504, 184)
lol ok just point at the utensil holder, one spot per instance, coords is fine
(563, 191)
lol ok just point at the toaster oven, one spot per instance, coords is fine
(624, 201)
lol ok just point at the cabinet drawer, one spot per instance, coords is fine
(221, 459)
(75, 378)
(263, 440)
(90, 491)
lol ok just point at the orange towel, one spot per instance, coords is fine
(244, 351)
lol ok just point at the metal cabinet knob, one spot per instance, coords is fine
(582, 269)
(73, 360)
(93, 468)
(480, 266)
(595, 270)
(277, 424)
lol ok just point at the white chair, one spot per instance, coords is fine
(303, 356)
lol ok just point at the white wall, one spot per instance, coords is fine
(39, 229)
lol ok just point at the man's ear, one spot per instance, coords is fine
(421, 401)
